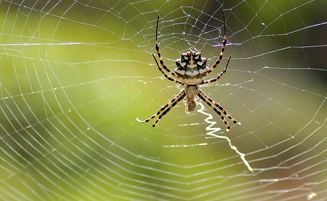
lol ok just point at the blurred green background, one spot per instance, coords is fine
(75, 75)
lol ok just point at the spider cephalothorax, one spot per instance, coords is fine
(191, 70)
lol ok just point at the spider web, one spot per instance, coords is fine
(75, 75)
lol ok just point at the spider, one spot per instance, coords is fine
(191, 71)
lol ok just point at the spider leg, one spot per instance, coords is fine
(159, 55)
(168, 109)
(219, 107)
(222, 49)
(181, 94)
(217, 78)
(217, 111)
(169, 78)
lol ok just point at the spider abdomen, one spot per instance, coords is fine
(191, 100)
(191, 68)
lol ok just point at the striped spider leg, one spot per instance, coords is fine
(170, 104)
(217, 78)
(212, 103)
(159, 55)
(222, 49)
(166, 108)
